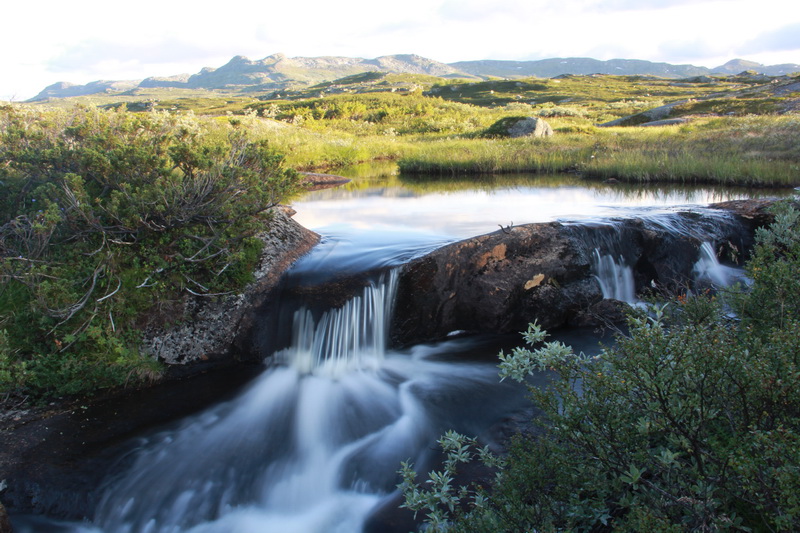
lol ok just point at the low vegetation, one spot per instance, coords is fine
(691, 422)
(115, 209)
(109, 219)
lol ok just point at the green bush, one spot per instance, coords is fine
(689, 423)
(110, 217)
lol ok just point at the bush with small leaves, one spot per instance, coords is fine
(690, 422)
(107, 217)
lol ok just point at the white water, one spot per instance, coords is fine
(615, 277)
(352, 337)
(313, 445)
(708, 269)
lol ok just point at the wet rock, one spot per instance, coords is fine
(497, 282)
(755, 210)
(5, 522)
(605, 313)
(502, 281)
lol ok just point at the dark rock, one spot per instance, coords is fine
(755, 210)
(497, 282)
(605, 313)
(389, 517)
(505, 280)
(5, 523)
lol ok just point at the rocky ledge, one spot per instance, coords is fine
(52, 458)
(502, 281)
(209, 326)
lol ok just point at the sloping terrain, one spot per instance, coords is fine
(278, 72)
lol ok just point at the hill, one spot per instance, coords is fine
(279, 72)
(275, 72)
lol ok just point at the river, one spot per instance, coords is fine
(313, 444)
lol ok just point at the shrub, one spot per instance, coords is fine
(107, 216)
(690, 422)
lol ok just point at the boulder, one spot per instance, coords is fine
(520, 127)
(502, 281)
(496, 282)
(530, 127)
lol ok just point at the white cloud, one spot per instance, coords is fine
(86, 40)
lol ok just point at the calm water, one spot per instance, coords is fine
(387, 220)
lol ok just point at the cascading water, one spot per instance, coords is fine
(348, 338)
(314, 444)
(615, 277)
(708, 269)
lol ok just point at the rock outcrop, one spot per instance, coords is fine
(520, 127)
(502, 281)
(210, 326)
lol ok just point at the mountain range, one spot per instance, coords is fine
(277, 72)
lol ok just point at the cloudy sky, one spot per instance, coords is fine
(86, 40)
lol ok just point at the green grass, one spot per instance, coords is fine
(753, 151)
(738, 133)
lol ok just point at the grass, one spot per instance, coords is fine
(751, 151)
(740, 130)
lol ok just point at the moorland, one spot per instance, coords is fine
(119, 203)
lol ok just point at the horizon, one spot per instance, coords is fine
(138, 80)
(87, 41)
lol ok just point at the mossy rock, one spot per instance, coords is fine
(519, 127)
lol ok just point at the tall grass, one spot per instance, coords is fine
(751, 151)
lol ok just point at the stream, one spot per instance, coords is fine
(313, 443)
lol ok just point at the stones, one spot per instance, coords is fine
(502, 281)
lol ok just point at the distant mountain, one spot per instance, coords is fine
(274, 72)
(64, 89)
(736, 66)
(550, 68)
(277, 72)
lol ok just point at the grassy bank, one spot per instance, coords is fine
(753, 151)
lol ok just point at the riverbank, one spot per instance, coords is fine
(48, 450)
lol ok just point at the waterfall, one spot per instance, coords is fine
(314, 443)
(708, 269)
(615, 277)
(353, 336)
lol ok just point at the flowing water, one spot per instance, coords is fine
(314, 443)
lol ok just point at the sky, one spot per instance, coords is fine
(80, 41)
